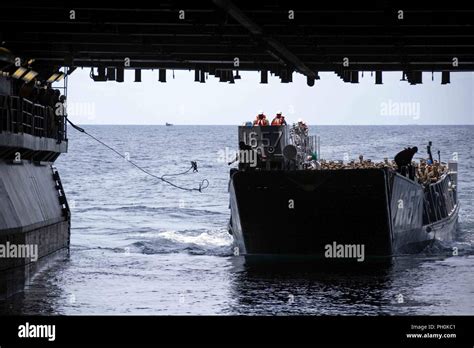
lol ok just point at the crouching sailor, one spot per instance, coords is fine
(279, 119)
(261, 119)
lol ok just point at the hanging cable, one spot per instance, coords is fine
(202, 185)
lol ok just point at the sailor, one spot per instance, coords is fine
(26, 90)
(243, 165)
(405, 157)
(55, 98)
(279, 119)
(261, 119)
(42, 96)
(312, 163)
(49, 96)
(302, 125)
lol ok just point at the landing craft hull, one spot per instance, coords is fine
(299, 213)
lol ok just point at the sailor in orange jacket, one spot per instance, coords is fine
(279, 119)
(260, 120)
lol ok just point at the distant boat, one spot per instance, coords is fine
(168, 124)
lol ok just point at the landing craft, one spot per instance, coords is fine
(294, 204)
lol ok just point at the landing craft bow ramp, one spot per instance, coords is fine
(222, 37)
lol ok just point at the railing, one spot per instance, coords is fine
(441, 201)
(21, 116)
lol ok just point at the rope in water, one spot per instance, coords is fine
(202, 185)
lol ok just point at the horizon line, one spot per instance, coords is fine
(310, 125)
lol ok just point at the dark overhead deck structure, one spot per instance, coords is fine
(215, 36)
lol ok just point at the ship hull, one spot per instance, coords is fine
(305, 213)
(34, 223)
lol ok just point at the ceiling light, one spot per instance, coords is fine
(19, 72)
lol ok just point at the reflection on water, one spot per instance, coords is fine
(227, 285)
(402, 285)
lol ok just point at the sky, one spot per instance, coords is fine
(330, 101)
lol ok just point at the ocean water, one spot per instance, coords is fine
(141, 247)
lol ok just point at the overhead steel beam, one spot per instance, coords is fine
(281, 51)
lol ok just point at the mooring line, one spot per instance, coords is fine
(202, 185)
